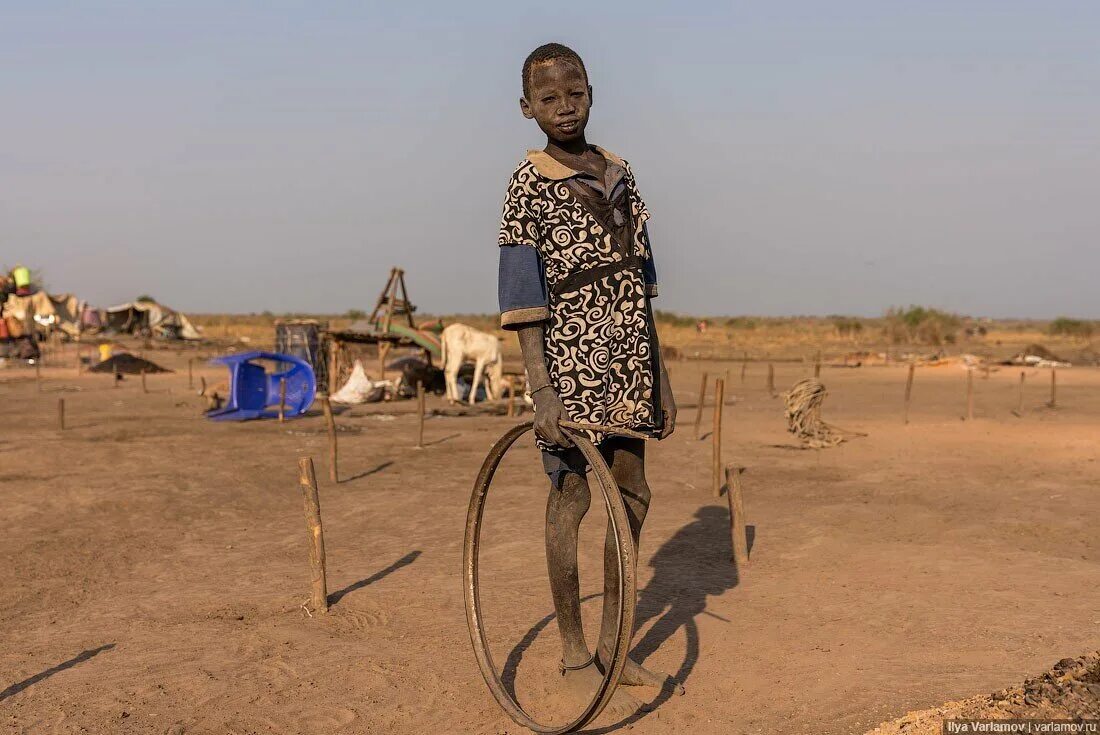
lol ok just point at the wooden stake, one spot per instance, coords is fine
(330, 423)
(202, 386)
(970, 394)
(909, 389)
(420, 414)
(61, 414)
(716, 436)
(79, 362)
(282, 400)
(817, 365)
(118, 378)
(333, 365)
(190, 372)
(1053, 387)
(771, 379)
(702, 400)
(736, 501)
(38, 373)
(318, 583)
(1020, 395)
(144, 387)
(744, 366)
(511, 396)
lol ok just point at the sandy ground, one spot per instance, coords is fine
(154, 563)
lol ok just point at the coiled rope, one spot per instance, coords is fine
(626, 565)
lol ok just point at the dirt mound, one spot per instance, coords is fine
(1071, 690)
(127, 364)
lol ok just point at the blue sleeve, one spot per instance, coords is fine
(521, 287)
(649, 270)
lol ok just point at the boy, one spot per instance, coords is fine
(576, 279)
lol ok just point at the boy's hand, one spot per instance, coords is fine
(548, 412)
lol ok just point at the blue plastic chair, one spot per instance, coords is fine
(253, 390)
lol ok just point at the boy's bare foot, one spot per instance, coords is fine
(636, 675)
(582, 684)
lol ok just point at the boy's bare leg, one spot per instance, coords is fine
(565, 509)
(626, 458)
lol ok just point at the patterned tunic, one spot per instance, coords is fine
(575, 255)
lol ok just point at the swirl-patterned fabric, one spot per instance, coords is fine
(601, 344)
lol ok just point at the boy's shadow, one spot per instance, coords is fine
(690, 566)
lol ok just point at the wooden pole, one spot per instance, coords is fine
(702, 400)
(1053, 387)
(420, 415)
(736, 500)
(330, 423)
(970, 394)
(144, 387)
(511, 396)
(909, 389)
(202, 384)
(333, 365)
(61, 414)
(817, 365)
(38, 373)
(318, 584)
(771, 379)
(79, 362)
(282, 400)
(716, 436)
(118, 378)
(744, 366)
(190, 372)
(1020, 394)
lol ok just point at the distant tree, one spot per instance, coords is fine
(1064, 326)
(355, 314)
(145, 297)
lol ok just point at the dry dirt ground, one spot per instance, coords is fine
(154, 563)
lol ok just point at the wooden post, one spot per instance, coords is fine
(318, 584)
(771, 379)
(817, 365)
(79, 362)
(383, 352)
(511, 396)
(330, 423)
(61, 414)
(118, 378)
(333, 365)
(144, 387)
(202, 386)
(702, 399)
(970, 394)
(744, 366)
(38, 373)
(716, 436)
(736, 500)
(1020, 394)
(1053, 387)
(282, 400)
(909, 389)
(419, 415)
(190, 372)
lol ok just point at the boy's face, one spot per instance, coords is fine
(559, 99)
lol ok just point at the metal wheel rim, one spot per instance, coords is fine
(620, 524)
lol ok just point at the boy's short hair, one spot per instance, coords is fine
(549, 52)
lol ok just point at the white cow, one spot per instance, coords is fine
(461, 343)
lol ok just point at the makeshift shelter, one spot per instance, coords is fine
(150, 319)
(45, 312)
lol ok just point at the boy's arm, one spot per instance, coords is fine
(548, 407)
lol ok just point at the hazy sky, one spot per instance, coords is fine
(798, 158)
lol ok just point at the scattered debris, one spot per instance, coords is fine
(803, 404)
(1035, 355)
(127, 364)
(361, 389)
